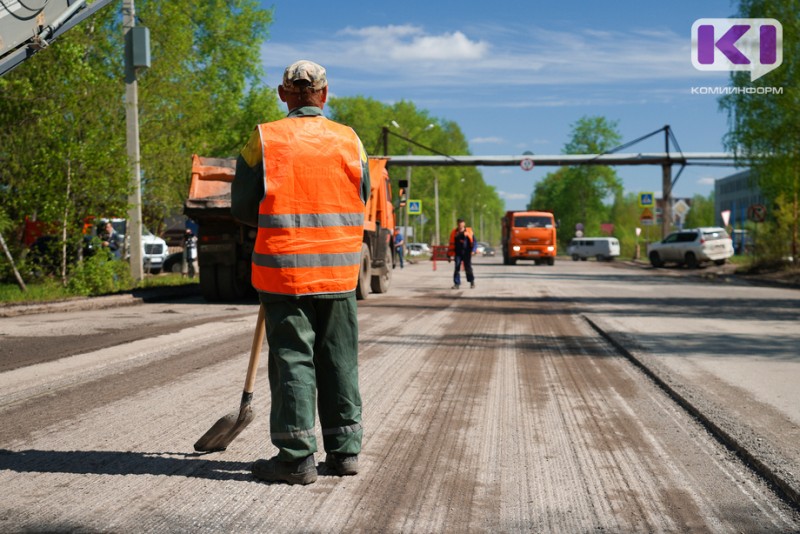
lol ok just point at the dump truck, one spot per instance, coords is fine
(225, 246)
(529, 235)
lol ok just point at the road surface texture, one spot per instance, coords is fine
(499, 408)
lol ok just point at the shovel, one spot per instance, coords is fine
(226, 429)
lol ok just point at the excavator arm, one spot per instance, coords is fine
(30, 26)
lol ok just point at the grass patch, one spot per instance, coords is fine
(167, 280)
(51, 290)
(47, 291)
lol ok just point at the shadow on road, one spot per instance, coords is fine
(734, 309)
(191, 465)
(527, 345)
(724, 342)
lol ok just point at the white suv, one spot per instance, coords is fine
(154, 249)
(692, 247)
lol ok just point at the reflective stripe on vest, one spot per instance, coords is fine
(311, 220)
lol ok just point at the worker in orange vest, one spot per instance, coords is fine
(462, 247)
(303, 181)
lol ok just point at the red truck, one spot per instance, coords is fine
(225, 246)
(529, 235)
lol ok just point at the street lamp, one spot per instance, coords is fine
(408, 137)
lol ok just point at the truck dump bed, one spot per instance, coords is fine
(210, 189)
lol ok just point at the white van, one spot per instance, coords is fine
(602, 248)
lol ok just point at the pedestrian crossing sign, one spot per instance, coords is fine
(414, 207)
(647, 200)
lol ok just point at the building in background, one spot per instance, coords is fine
(736, 193)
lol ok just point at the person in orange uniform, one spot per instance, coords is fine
(462, 247)
(303, 181)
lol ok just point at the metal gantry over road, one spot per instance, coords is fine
(665, 159)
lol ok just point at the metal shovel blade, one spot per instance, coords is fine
(224, 431)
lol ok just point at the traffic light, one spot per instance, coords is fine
(402, 184)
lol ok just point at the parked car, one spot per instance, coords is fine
(488, 250)
(602, 248)
(692, 247)
(154, 249)
(173, 263)
(417, 249)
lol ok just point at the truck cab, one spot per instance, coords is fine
(529, 235)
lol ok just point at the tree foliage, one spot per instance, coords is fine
(62, 114)
(462, 190)
(579, 194)
(764, 130)
(701, 212)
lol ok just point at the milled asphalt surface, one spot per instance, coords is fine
(499, 408)
(725, 348)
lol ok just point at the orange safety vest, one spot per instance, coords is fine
(311, 220)
(451, 249)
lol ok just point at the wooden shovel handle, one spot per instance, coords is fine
(255, 352)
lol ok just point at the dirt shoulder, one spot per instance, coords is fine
(128, 298)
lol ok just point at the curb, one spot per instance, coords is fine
(787, 489)
(131, 298)
(713, 276)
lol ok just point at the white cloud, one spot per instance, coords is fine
(407, 55)
(505, 195)
(519, 68)
(487, 141)
(409, 43)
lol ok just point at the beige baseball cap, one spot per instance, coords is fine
(304, 70)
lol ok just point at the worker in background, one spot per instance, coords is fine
(109, 238)
(189, 253)
(305, 266)
(462, 247)
(399, 245)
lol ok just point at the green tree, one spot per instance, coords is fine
(701, 212)
(63, 156)
(578, 194)
(462, 190)
(62, 116)
(624, 214)
(764, 129)
(203, 94)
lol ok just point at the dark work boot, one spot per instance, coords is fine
(297, 472)
(342, 464)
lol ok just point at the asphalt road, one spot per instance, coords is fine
(499, 408)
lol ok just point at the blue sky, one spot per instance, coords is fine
(516, 75)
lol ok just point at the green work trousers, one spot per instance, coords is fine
(313, 360)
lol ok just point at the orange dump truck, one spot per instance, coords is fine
(529, 235)
(225, 246)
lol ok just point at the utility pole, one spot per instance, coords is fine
(666, 187)
(134, 226)
(436, 198)
(408, 197)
